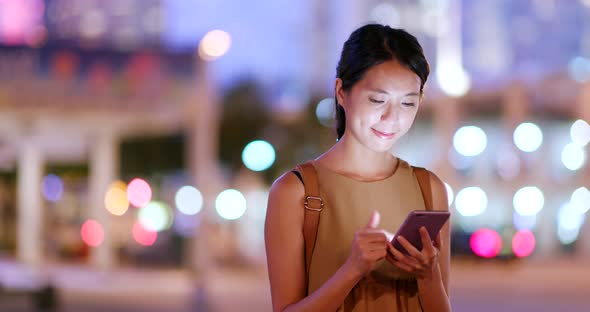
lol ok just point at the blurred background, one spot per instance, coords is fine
(139, 138)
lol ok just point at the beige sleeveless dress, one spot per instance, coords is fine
(348, 207)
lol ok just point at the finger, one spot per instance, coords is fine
(374, 220)
(402, 266)
(397, 254)
(426, 240)
(410, 248)
(373, 236)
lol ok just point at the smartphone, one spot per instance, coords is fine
(432, 220)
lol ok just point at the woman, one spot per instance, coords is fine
(367, 192)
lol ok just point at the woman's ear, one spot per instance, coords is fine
(339, 92)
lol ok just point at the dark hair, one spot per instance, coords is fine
(372, 45)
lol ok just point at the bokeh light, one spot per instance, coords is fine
(450, 193)
(324, 112)
(470, 141)
(524, 222)
(523, 243)
(214, 44)
(156, 216)
(579, 69)
(258, 155)
(580, 200)
(573, 156)
(92, 233)
(452, 79)
(139, 193)
(471, 201)
(528, 137)
(115, 200)
(189, 200)
(52, 188)
(386, 14)
(144, 236)
(485, 243)
(580, 132)
(528, 201)
(569, 222)
(230, 204)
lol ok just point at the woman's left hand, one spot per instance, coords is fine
(419, 263)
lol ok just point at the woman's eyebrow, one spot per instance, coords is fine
(385, 92)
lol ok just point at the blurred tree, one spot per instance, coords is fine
(244, 117)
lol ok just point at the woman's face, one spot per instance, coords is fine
(381, 107)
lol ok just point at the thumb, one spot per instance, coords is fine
(374, 220)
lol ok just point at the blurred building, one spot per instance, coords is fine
(97, 94)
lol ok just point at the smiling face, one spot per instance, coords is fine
(382, 106)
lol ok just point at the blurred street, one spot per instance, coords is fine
(558, 285)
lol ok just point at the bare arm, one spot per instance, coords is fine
(431, 264)
(285, 254)
(434, 292)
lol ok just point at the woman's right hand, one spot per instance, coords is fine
(368, 247)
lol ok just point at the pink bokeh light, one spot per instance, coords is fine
(144, 236)
(486, 243)
(139, 193)
(523, 243)
(92, 233)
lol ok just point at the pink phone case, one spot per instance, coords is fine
(432, 220)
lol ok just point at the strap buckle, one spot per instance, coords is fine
(307, 202)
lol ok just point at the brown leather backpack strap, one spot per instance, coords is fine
(313, 205)
(423, 177)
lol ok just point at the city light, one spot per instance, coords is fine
(470, 141)
(230, 204)
(471, 201)
(528, 137)
(156, 216)
(139, 192)
(528, 201)
(214, 45)
(485, 243)
(52, 188)
(523, 243)
(92, 233)
(258, 155)
(189, 200)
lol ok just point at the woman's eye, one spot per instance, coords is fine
(408, 104)
(377, 101)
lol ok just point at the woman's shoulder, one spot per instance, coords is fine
(288, 185)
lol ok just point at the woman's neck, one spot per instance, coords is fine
(355, 160)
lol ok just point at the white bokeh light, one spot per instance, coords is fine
(230, 204)
(452, 79)
(258, 155)
(528, 137)
(450, 193)
(580, 132)
(528, 201)
(214, 44)
(386, 14)
(580, 200)
(189, 200)
(573, 156)
(471, 201)
(325, 111)
(569, 222)
(156, 216)
(470, 141)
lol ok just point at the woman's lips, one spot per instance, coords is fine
(382, 135)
